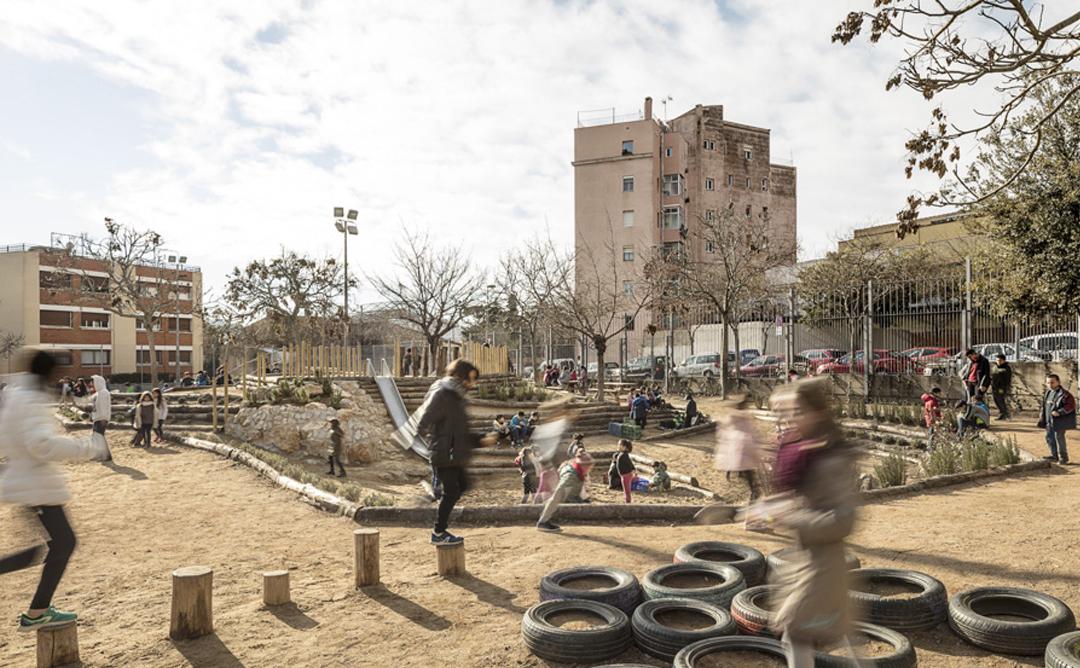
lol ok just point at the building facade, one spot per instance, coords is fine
(641, 185)
(950, 235)
(57, 301)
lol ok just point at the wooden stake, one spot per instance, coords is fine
(213, 400)
(276, 588)
(450, 559)
(367, 557)
(58, 646)
(225, 382)
(192, 602)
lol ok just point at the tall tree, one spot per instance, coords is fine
(1034, 223)
(1016, 47)
(297, 295)
(435, 288)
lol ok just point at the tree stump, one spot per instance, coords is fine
(58, 646)
(450, 559)
(276, 587)
(367, 557)
(192, 602)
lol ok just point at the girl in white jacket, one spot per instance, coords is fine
(162, 407)
(101, 413)
(32, 479)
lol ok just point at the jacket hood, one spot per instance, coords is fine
(928, 397)
(99, 383)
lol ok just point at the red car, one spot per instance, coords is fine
(817, 356)
(928, 354)
(885, 361)
(769, 365)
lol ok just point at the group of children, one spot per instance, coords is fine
(971, 415)
(518, 430)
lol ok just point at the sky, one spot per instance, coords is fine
(234, 128)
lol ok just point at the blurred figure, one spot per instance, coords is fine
(738, 449)
(572, 477)
(691, 411)
(32, 479)
(100, 414)
(814, 478)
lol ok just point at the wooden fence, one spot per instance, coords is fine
(334, 361)
(490, 360)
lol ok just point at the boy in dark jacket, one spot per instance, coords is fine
(334, 454)
(1058, 416)
(1001, 382)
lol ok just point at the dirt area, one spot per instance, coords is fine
(155, 510)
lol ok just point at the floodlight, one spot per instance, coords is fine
(183, 259)
(172, 258)
(339, 211)
(352, 229)
(352, 214)
(340, 227)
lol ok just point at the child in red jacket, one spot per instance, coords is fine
(931, 414)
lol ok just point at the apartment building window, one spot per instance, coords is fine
(710, 246)
(673, 184)
(667, 152)
(709, 184)
(143, 356)
(672, 217)
(182, 324)
(747, 154)
(141, 326)
(62, 357)
(709, 145)
(730, 181)
(628, 218)
(54, 280)
(183, 295)
(628, 253)
(55, 318)
(748, 211)
(628, 147)
(764, 184)
(710, 214)
(628, 184)
(94, 320)
(94, 357)
(748, 183)
(672, 249)
(99, 284)
(185, 357)
(628, 288)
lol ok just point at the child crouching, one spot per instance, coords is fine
(572, 476)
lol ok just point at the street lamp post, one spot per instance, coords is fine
(346, 224)
(177, 262)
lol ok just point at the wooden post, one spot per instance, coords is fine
(450, 559)
(367, 557)
(225, 383)
(276, 588)
(58, 646)
(192, 602)
(243, 373)
(213, 400)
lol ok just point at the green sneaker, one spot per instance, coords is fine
(48, 619)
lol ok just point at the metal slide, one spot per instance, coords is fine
(406, 435)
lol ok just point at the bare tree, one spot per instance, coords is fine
(521, 279)
(436, 289)
(140, 284)
(10, 343)
(298, 295)
(952, 44)
(729, 271)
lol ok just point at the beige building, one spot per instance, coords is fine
(56, 301)
(949, 234)
(641, 184)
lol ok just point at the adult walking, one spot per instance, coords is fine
(31, 479)
(444, 421)
(1001, 384)
(1058, 416)
(100, 414)
(975, 374)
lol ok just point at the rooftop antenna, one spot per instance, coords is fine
(664, 101)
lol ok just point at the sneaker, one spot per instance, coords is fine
(548, 527)
(446, 538)
(1050, 458)
(48, 619)
(341, 475)
(1064, 462)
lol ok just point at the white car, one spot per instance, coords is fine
(1060, 346)
(945, 366)
(701, 366)
(612, 370)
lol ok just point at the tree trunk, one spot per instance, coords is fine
(600, 343)
(153, 354)
(433, 350)
(724, 359)
(738, 354)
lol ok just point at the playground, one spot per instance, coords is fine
(155, 510)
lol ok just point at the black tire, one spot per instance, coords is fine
(726, 581)
(691, 654)
(750, 613)
(553, 643)
(1049, 617)
(1064, 651)
(663, 641)
(927, 609)
(777, 559)
(624, 592)
(748, 560)
(903, 655)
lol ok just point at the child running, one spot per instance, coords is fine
(572, 476)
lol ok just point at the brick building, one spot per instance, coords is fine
(56, 300)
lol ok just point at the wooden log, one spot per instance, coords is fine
(276, 587)
(677, 477)
(367, 557)
(450, 559)
(58, 646)
(192, 602)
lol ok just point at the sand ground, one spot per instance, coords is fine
(155, 510)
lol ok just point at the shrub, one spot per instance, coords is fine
(1004, 454)
(350, 492)
(975, 455)
(944, 459)
(375, 500)
(891, 471)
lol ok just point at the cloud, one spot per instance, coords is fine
(452, 117)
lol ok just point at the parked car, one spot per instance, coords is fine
(771, 365)
(746, 355)
(648, 366)
(945, 366)
(815, 357)
(885, 361)
(700, 366)
(1060, 346)
(923, 355)
(612, 370)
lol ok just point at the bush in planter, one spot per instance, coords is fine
(892, 471)
(945, 458)
(975, 455)
(1004, 454)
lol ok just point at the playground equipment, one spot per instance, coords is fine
(276, 588)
